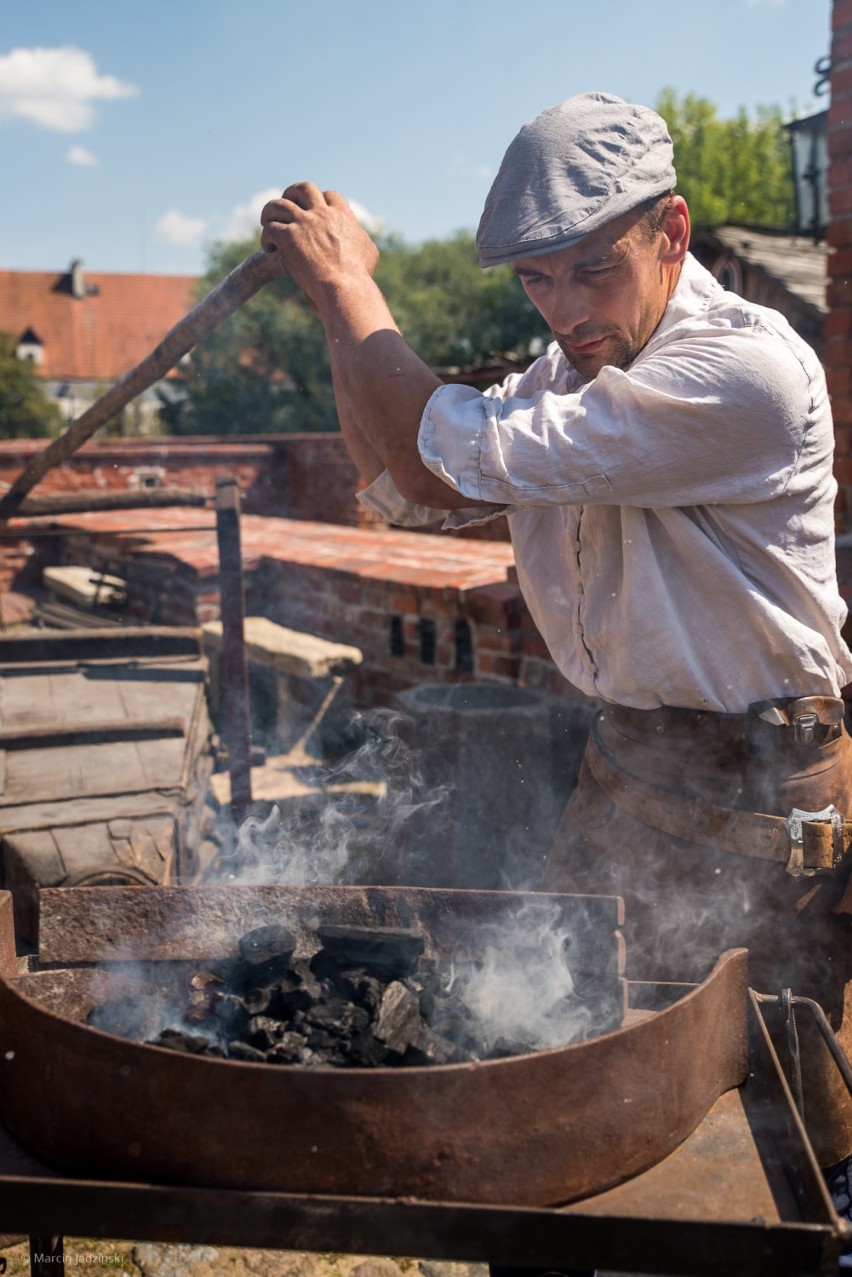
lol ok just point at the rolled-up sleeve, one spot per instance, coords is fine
(706, 416)
(384, 499)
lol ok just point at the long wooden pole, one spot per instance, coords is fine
(242, 283)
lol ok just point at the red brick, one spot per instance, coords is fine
(841, 82)
(837, 324)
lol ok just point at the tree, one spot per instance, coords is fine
(266, 368)
(737, 170)
(25, 410)
(451, 311)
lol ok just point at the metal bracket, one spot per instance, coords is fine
(795, 823)
(804, 728)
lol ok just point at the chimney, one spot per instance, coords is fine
(78, 282)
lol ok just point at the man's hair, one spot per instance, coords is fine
(652, 215)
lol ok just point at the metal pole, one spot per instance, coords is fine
(234, 667)
(47, 1256)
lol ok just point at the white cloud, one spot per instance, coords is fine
(180, 228)
(372, 223)
(80, 155)
(55, 88)
(244, 219)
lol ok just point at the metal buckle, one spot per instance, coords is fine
(804, 728)
(795, 821)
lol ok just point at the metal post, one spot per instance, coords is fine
(234, 669)
(47, 1256)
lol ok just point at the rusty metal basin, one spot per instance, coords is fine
(542, 1128)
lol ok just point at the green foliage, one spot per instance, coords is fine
(450, 310)
(25, 410)
(266, 368)
(730, 170)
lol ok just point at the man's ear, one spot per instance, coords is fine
(676, 230)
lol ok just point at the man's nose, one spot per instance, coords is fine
(568, 310)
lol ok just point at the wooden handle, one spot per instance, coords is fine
(243, 282)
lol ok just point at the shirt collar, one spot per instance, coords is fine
(693, 293)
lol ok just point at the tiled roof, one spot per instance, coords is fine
(101, 335)
(795, 263)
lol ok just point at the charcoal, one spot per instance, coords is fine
(256, 1001)
(430, 1048)
(297, 989)
(232, 1014)
(266, 952)
(321, 1039)
(263, 1031)
(205, 990)
(289, 1049)
(388, 951)
(327, 1015)
(367, 1052)
(399, 1021)
(188, 1043)
(363, 989)
(242, 1051)
(451, 1018)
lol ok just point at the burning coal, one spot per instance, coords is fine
(368, 997)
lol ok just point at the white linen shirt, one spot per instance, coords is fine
(673, 523)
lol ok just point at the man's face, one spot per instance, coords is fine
(603, 297)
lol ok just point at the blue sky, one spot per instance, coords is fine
(133, 134)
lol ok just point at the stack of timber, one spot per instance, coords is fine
(106, 751)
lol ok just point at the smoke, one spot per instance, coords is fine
(521, 987)
(355, 825)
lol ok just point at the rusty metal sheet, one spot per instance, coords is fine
(636, 1227)
(535, 1129)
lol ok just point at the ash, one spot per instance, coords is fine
(368, 997)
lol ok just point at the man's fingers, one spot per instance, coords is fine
(335, 200)
(305, 195)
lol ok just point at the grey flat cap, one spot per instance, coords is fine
(570, 170)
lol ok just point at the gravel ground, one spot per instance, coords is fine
(152, 1259)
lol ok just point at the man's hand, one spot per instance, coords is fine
(321, 242)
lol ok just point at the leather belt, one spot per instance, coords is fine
(814, 720)
(806, 842)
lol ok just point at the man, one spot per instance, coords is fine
(666, 472)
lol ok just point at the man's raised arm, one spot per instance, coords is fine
(381, 386)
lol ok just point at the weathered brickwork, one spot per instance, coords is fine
(421, 608)
(837, 347)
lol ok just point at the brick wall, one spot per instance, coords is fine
(295, 476)
(837, 348)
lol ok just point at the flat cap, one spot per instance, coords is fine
(569, 171)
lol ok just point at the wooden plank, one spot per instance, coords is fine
(47, 736)
(51, 813)
(123, 642)
(93, 770)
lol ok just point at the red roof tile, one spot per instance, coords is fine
(102, 335)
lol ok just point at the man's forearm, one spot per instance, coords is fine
(382, 385)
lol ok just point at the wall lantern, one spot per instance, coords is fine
(809, 145)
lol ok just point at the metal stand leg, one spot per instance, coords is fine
(47, 1256)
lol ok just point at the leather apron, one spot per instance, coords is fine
(687, 898)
